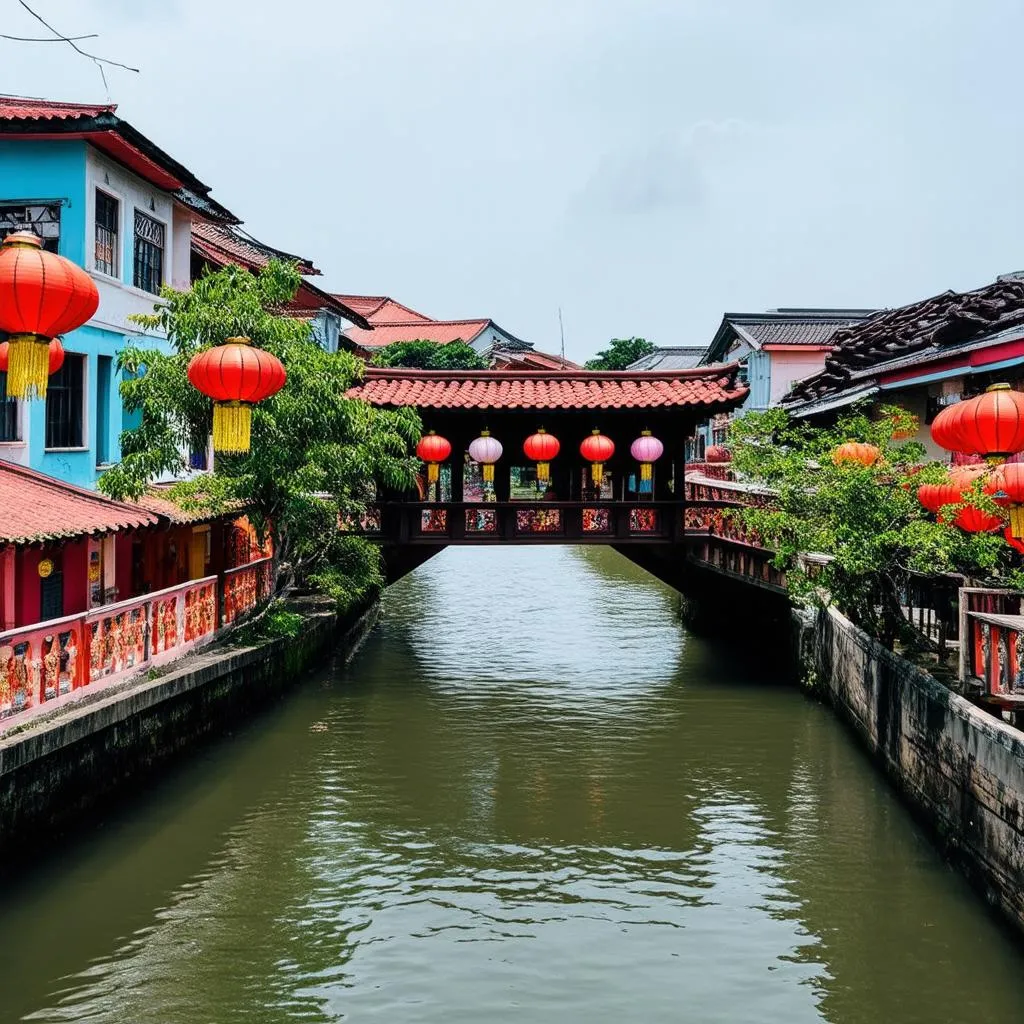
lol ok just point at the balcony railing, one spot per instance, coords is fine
(245, 588)
(992, 643)
(43, 665)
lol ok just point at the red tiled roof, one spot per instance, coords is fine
(24, 108)
(383, 309)
(38, 508)
(709, 388)
(531, 359)
(24, 117)
(221, 245)
(160, 504)
(364, 304)
(441, 331)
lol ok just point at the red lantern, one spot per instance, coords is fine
(56, 356)
(1017, 545)
(991, 424)
(934, 496)
(597, 450)
(965, 477)
(856, 451)
(541, 448)
(236, 376)
(975, 520)
(433, 449)
(718, 453)
(41, 295)
(1007, 490)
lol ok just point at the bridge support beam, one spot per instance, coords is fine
(402, 559)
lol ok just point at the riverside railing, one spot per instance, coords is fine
(43, 665)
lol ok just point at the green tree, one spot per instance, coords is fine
(620, 354)
(867, 519)
(316, 455)
(430, 355)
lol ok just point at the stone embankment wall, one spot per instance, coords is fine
(960, 769)
(57, 771)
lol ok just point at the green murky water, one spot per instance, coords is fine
(531, 797)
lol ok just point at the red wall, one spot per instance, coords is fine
(74, 564)
(123, 566)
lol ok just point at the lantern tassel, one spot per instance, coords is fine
(28, 366)
(488, 473)
(1017, 521)
(432, 472)
(543, 472)
(232, 425)
(597, 473)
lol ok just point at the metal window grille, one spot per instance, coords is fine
(149, 253)
(8, 413)
(65, 401)
(106, 233)
(41, 218)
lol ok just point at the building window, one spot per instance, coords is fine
(104, 375)
(106, 233)
(42, 219)
(65, 404)
(149, 253)
(8, 413)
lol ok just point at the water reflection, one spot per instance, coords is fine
(532, 797)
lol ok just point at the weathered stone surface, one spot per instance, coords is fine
(57, 771)
(960, 769)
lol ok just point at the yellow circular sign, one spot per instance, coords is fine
(45, 568)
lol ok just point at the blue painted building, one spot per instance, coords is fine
(100, 193)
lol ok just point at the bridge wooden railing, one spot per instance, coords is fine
(42, 665)
(539, 522)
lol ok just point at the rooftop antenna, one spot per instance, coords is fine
(561, 329)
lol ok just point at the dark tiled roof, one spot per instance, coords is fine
(795, 332)
(795, 326)
(679, 357)
(41, 508)
(712, 389)
(222, 244)
(921, 329)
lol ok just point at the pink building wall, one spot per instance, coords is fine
(790, 366)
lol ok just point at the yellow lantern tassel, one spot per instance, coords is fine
(1017, 521)
(488, 472)
(543, 472)
(432, 472)
(646, 471)
(597, 473)
(28, 366)
(232, 424)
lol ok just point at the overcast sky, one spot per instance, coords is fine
(644, 164)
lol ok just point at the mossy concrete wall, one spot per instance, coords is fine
(54, 772)
(960, 769)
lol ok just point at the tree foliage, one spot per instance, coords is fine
(866, 519)
(430, 355)
(316, 455)
(620, 354)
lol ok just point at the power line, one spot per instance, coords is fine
(70, 40)
(48, 39)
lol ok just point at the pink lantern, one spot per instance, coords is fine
(486, 450)
(646, 449)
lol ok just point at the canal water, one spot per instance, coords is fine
(531, 797)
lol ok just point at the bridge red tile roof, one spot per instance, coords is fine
(39, 508)
(711, 389)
